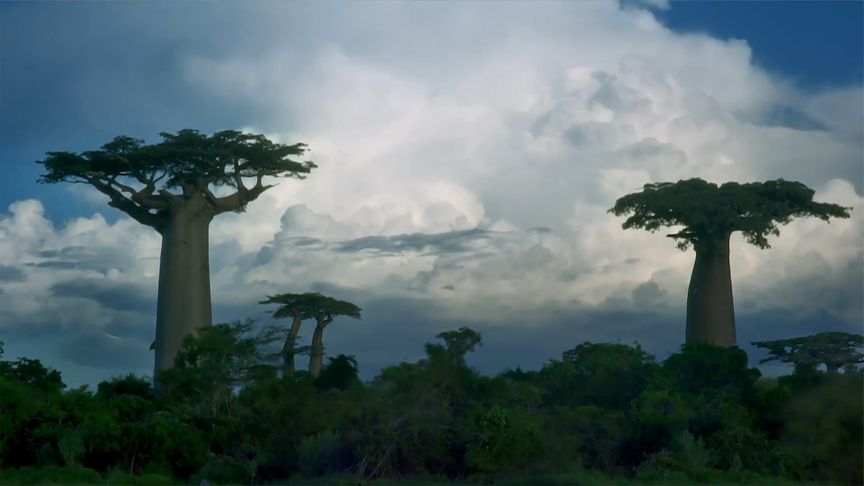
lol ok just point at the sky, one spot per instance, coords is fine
(467, 151)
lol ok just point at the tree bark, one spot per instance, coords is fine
(316, 354)
(289, 347)
(710, 309)
(183, 304)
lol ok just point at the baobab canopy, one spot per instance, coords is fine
(139, 178)
(707, 211)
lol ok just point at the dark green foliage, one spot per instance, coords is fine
(836, 350)
(29, 476)
(139, 178)
(706, 369)
(457, 344)
(211, 365)
(823, 428)
(604, 414)
(706, 211)
(31, 372)
(311, 305)
(187, 157)
(607, 375)
(129, 385)
(340, 374)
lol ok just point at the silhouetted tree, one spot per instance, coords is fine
(709, 215)
(298, 307)
(169, 186)
(457, 344)
(833, 349)
(324, 309)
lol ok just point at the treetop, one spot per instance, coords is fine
(139, 177)
(187, 157)
(311, 305)
(708, 211)
(833, 348)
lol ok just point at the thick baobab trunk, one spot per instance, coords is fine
(316, 354)
(710, 310)
(183, 304)
(288, 349)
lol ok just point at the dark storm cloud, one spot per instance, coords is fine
(39, 325)
(101, 350)
(83, 258)
(11, 273)
(450, 242)
(110, 295)
(648, 293)
(58, 265)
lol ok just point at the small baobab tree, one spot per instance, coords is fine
(171, 186)
(709, 214)
(835, 350)
(298, 307)
(304, 306)
(325, 311)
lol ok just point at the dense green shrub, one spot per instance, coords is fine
(603, 414)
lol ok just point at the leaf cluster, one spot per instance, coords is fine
(834, 349)
(708, 211)
(309, 305)
(185, 158)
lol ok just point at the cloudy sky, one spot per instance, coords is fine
(467, 155)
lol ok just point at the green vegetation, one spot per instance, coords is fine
(602, 414)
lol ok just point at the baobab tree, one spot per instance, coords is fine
(298, 307)
(709, 215)
(171, 186)
(833, 349)
(326, 309)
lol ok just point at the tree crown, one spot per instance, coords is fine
(139, 178)
(834, 349)
(312, 305)
(707, 211)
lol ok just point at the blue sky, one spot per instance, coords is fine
(484, 140)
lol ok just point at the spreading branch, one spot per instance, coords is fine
(128, 206)
(707, 211)
(188, 161)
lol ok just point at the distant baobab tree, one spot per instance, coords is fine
(303, 306)
(298, 307)
(835, 350)
(169, 186)
(709, 215)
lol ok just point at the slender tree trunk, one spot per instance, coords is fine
(316, 354)
(710, 310)
(288, 348)
(183, 304)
